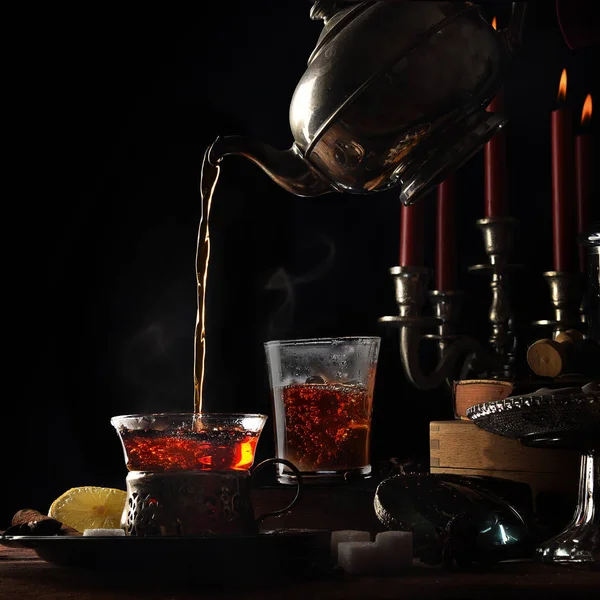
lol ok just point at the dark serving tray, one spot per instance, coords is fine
(271, 554)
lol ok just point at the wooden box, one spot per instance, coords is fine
(462, 448)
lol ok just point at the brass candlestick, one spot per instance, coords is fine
(498, 237)
(446, 306)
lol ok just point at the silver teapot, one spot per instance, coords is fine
(394, 95)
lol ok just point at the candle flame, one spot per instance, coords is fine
(494, 24)
(562, 87)
(586, 113)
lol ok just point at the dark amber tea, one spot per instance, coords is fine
(327, 425)
(189, 451)
(189, 441)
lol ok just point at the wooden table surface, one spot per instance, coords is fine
(24, 576)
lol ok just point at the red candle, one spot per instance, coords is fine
(563, 185)
(412, 229)
(583, 176)
(496, 171)
(445, 247)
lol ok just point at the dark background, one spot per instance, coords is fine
(113, 110)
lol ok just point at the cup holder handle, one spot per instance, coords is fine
(299, 486)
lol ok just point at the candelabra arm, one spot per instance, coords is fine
(410, 286)
(410, 339)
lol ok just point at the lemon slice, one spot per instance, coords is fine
(89, 507)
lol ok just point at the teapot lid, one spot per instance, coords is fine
(334, 20)
(324, 9)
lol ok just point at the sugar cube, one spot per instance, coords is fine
(358, 558)
(395, 549)
(347, 535)
(104, 532)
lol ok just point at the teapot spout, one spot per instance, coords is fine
(287, 168)
(513, 34)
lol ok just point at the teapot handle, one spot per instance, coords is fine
(299, 486)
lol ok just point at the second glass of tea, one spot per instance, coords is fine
(322, 393)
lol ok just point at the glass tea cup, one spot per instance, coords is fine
(322, 393)
(189, 473)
